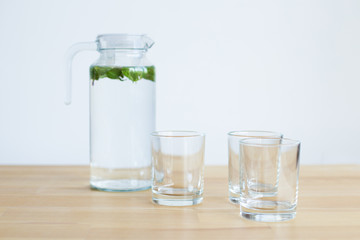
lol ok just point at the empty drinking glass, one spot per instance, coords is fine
(234, 138)
(177, 167)
(269, 170)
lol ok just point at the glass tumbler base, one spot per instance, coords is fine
(234, 200)
(262, 215)
(234, 197)
(122, 185)
(179, 202)
(267, 211)
(268, 217)
(177, 199)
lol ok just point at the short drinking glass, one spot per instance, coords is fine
(270, 170)
(177, 167)
(234, 165)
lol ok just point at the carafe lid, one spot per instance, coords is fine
(124, 41)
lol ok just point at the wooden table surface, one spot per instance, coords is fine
(42, 202)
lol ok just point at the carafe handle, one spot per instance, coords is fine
(73, 50)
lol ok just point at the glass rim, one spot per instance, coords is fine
(120, 35)
(283, 142)
(177, 134)
(242, 133)
(124, 41)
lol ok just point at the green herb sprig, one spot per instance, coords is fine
(133, 74)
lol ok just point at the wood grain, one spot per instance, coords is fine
(50, 202)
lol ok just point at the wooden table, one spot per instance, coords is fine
(38, 202)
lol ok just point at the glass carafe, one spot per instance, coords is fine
(122, 111)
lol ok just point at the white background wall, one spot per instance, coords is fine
(288, 66)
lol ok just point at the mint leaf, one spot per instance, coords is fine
(149, 73)
(115, 73)
(134, 74)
